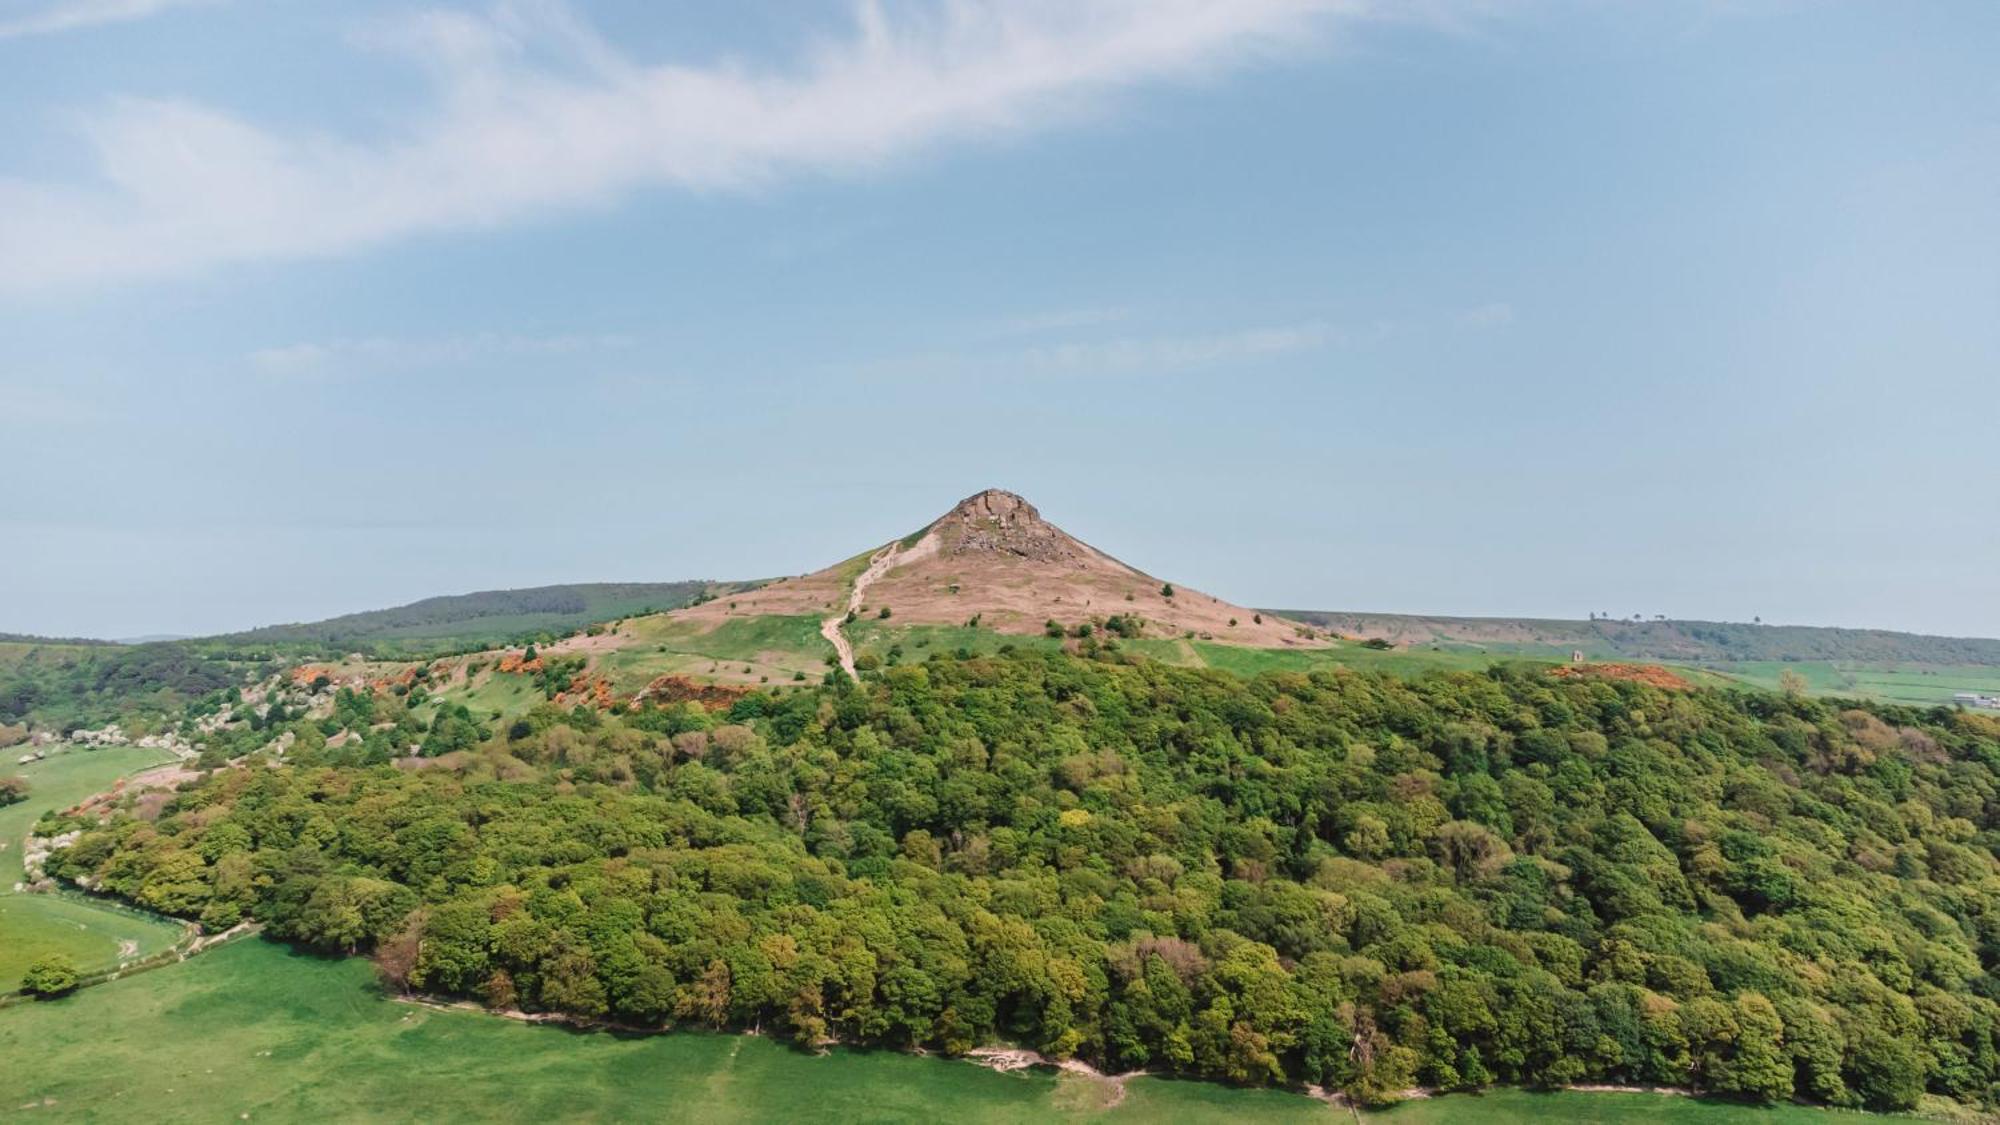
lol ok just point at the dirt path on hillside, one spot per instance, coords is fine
(878, 565)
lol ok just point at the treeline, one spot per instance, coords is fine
(1334, 878)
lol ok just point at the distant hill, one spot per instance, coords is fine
(1682, 641)
(31, 639)
(993, 558)
(489, 617)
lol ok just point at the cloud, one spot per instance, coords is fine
(1496, 314)
(533, 111)
(380, 353)
(1062, 320)
(1179, 353)
(31, 406)
(71, 15)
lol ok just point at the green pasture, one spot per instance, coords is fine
(62, 779)
(1920, 685)
(93, 935)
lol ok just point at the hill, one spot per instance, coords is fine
(1679, 641)
(993, 561)
(486, 618)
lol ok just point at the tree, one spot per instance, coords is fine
(49, 976)
(13, 790)
(1166, 589)
(1792, 683)
(1888, 1072)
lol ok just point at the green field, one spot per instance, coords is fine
(1921, 685)
(255, 1028)
(773, 646)
(94, 936)
(31, 925)
(1506, 1107)
(57, 782)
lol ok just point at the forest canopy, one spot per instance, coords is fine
(1336, 878)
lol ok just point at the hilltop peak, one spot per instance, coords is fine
(998, 522)
(994, 503)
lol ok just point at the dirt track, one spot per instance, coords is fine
(878, 565)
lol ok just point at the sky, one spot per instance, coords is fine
(1538, 308)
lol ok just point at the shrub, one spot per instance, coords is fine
(50, 975)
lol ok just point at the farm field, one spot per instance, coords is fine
(1921, 685)
(255, 1028)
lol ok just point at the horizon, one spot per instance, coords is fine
(1639, 618)
(1460, 309)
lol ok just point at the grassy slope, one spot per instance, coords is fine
(770, 646)
(59, 781)
(31, 925)
(14, 652)
(256, 1029)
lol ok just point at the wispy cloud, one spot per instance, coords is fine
(1062, 320)
(390, 353)
(535, 111)
(1494, 314)
(71, 15)
(1179, 353)
(32, 406)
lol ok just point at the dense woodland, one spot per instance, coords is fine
(1335, 878)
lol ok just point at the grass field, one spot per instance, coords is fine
(773, 647)
(256, 1029)
(31, 925)
(1509, 1107)
(94, 936)
(1921, 685)
(57, 782)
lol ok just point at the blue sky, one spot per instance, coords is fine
(1492, 308)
